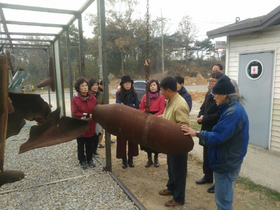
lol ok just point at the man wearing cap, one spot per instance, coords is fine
(227, 142)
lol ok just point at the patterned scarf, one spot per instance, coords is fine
(153, 95)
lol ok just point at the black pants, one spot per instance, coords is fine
(82, 143)
(95, 143)
(208, 172)
(177, 173)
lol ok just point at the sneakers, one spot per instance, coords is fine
(173, 203)
(91, 164)
(83, 164)
(101, 146)
(112, 142)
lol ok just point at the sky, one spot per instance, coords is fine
(209, 14)
(206, 15)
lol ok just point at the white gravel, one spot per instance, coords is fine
(55, 180)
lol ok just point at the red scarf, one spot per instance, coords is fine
(151, 96)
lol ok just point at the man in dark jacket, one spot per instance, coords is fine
(227, 142)
(208, 117)
(182, 91)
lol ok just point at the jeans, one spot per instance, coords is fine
(224, 183)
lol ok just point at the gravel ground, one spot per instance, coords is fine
(55, 180)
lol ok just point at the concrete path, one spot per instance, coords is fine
(260, 165)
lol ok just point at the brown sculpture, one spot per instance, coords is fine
(5, 176)
(16, 107)
(49, 81)
(142, 128)
(54, 130)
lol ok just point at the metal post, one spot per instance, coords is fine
(162, 47)
(101, 6)
(59, 78)
(3, 107)
(81, 43)
(69, 64)
(100, 61)
(48, 71)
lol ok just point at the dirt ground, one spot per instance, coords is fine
(145, 183)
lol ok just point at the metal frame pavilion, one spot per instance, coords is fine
(52, 41)
(54, 44)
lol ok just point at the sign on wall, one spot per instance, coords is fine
(254, 70)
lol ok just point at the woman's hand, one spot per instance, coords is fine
(188, 131)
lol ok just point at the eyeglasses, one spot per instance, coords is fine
(211, 81)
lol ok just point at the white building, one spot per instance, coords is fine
(253, 60)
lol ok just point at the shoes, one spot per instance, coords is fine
(156, 164)
(130, 162)
(203, 181)
(211, 189)
(112, 142)
(101, 146)
(91, 164)
(96, 153)
(173, 203)
(124, 163)
(83, 164)
(149, 163)
(166, 192)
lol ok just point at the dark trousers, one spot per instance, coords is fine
(84, 142)
(177, 173)
(121, 148)
(208, 172)
(95, 143)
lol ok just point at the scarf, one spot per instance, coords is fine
(85, 97)
(126, 97)
(153, 95)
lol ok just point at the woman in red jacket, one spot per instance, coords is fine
(157, 105)
(82, 106)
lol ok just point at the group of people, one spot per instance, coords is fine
(156, 103)
(224, 132)
(224, 136)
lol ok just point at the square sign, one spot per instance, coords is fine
(254, 70)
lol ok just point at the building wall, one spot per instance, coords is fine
(268, 39)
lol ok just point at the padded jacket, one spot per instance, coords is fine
(228, 141)
(81, 107)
